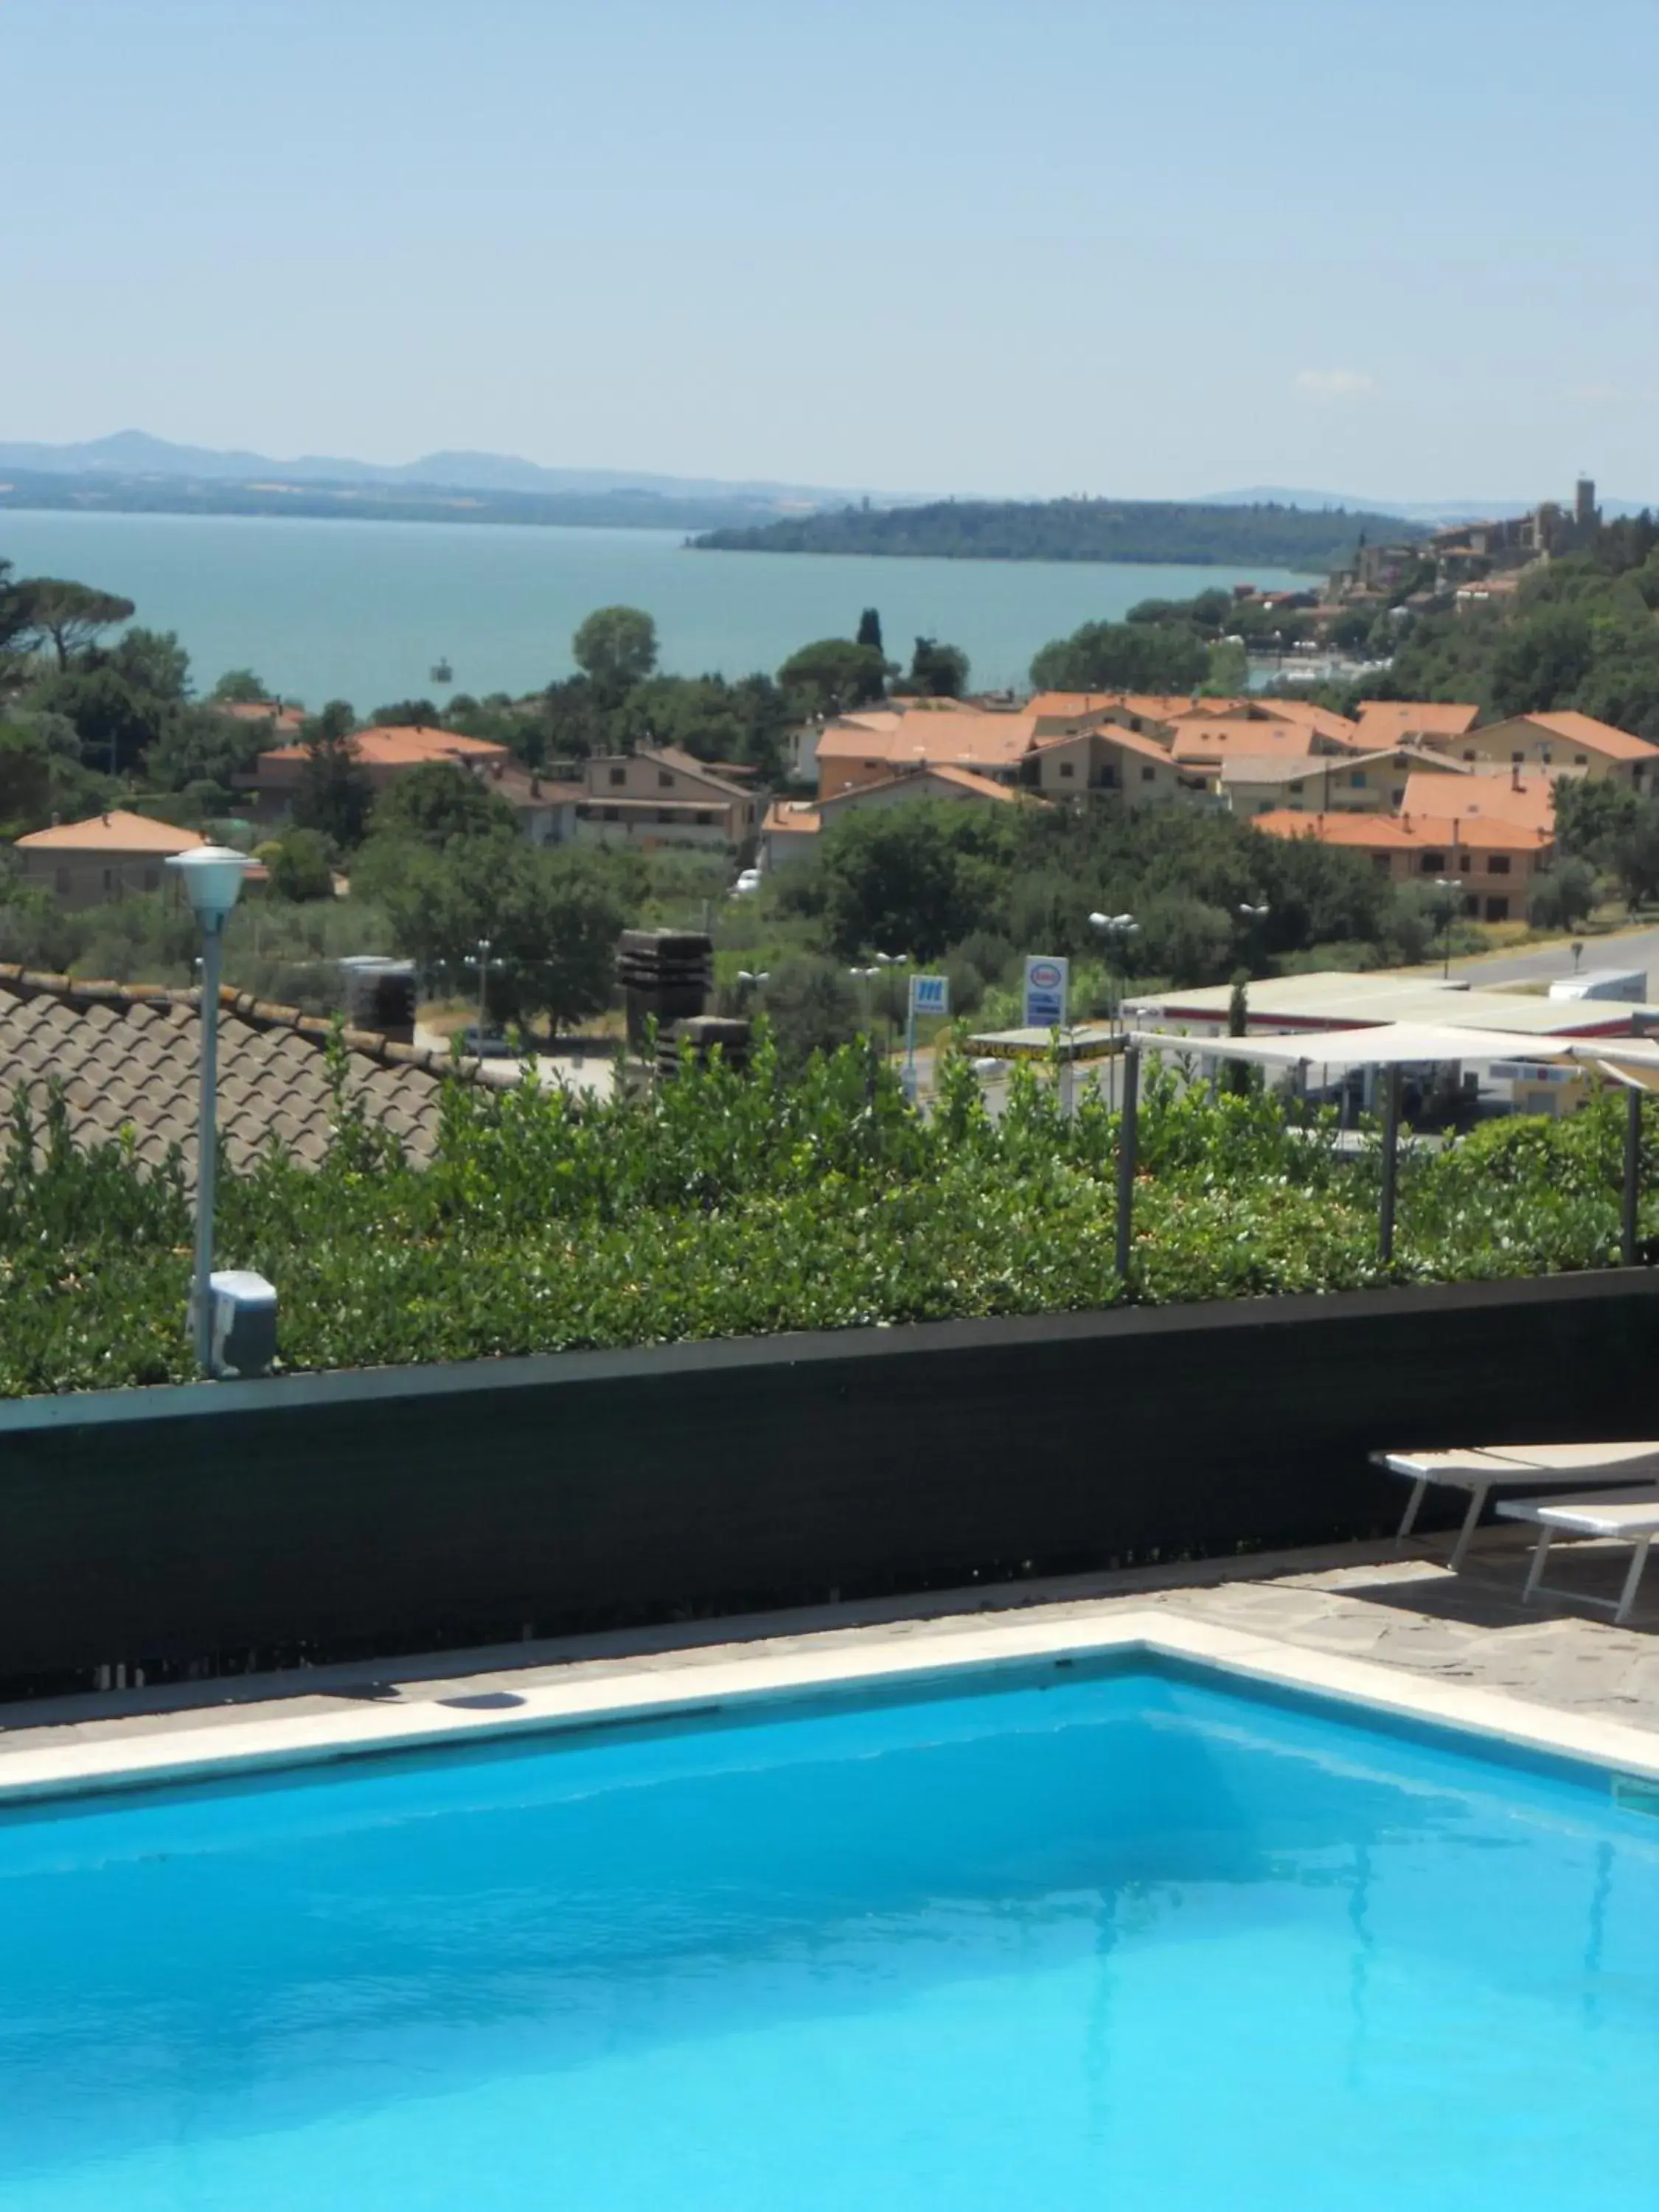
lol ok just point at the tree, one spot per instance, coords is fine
(615, 647)
(1236, 1075)
(1633, 853)
(66, 615)
(833, 674)
(1103, 656)
(298, 866)
(151, 660)
(1562, 896)
(239, 687)
(116, 721)
(553, 919)
(811, 1007)
(334, 794)
(438, 802)
(937, 672)
(408, 713)
(914, 878)
(869, 629)
(1542, 663)
(1592, 813)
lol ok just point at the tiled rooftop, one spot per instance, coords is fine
(129, 1055)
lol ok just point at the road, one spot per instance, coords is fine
(1627, 948)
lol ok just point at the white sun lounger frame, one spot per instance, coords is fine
(1480, 1470)
(1629, 1519)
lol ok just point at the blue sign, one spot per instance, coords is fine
(930, 994)
(1046, 989)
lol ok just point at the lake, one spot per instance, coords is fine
(360, 611)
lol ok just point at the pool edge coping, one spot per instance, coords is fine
(658, 1688)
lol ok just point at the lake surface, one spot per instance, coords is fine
(360, 611)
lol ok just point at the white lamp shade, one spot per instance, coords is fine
(213, 880)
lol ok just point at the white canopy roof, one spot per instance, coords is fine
(1394, 1044)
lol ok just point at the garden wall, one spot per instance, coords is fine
(220, 1526)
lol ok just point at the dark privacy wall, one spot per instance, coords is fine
(421, 1508)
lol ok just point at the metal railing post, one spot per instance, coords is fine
(1632, 1170)
(1390, 1164)
(207, 1147)
(1127, 1135)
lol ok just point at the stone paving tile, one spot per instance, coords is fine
(1363, 1603)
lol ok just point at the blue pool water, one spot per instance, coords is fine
(1128, 1942)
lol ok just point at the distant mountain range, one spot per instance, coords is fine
(133, 471)
(135, 453)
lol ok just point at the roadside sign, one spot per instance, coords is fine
(1047, 981)
(929, 994)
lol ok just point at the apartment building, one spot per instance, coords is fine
(662, 796)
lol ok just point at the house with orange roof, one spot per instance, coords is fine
(868, 747)
(1331, 783)
(1058, 714)
(384, 754)
(269, 716)
(1526, 801)
(791, 828)
(1564, 744)
(105, 857)
(1438, 722)
(1330, 729)
(1207, 740)
(1108, 759)
(1491, 862)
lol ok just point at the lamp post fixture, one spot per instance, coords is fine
(891, 960)
(481, 961)
(1254, 913)
(213, 880)
(1115, 931)
(751, 979)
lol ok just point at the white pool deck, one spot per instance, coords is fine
(1379, 1626)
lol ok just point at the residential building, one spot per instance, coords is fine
(1331, 783)
(106, 857)
(870, 746)
(384, 755)
(1528, 802)
(1492, 862)
(546, 802)
(1109, 758)
(1205, 741)
(791, 828)
(1564, 744)
(662, 796)
(269, 716)
(1438, 722)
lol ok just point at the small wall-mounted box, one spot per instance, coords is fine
(243, 1339)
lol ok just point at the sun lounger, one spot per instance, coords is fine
(1485, 1468)
(1626, 1516)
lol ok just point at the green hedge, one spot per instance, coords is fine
(734, 1205)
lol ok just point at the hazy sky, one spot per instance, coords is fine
(1406, 248)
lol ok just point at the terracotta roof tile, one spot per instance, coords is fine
(117, 832)
(127, 1057)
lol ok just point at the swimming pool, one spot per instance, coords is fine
(1122, 1937)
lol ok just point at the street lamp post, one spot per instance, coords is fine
(1446, 886)
(1115, 930)
(751, 979)
(891, 960)
(213, 879)
(481, 961)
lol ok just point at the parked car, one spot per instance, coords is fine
(749, 881)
